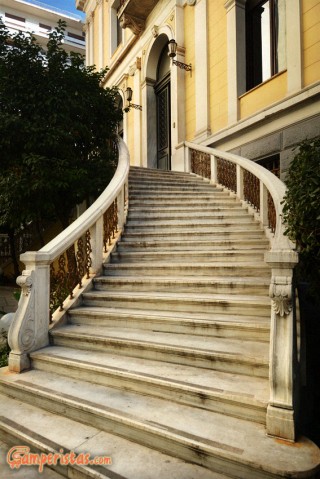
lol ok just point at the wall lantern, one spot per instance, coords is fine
(129, 93)
(172, 46)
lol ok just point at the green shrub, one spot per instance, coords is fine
(4, 350)
(301, 212)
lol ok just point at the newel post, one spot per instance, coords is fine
(29, 329)
(121, 204)
(214, 169)
(187, 159)
(281, 412)
(96, 234)
(240, 191)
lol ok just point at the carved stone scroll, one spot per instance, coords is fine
(136, 25)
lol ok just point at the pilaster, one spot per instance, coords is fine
(236, 50)
(201, 72)
(294, 45)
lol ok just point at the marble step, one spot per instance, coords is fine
(212, 390)
(185, 209)
(216, 234)
(168, 193)
(167, 301)
(198, 256)
(171, 182)
(191, 219)
(194, 245)
(166, 214)
(197, 201)
(221, 443)
(221, 354)
(241, 270)
(46, 432)
(220, 325)
(181, 189)
(214, 285)
(188, 227)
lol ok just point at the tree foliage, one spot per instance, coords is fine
(57, 130)
(301, 212)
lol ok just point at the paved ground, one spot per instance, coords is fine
(8, 304)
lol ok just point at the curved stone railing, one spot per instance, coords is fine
(65, 266)
(263, 193)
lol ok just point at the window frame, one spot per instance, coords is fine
(115, 39)
(254, 44)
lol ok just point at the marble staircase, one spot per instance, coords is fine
(164, 365)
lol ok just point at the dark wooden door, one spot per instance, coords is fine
(162, 91)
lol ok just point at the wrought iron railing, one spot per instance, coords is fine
(58, 273)
(263, 194)
(226, 174)
(248, 180)
(251, 189)
(200, 163)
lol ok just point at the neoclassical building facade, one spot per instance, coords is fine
(244, 75)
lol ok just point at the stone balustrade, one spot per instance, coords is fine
(65, 266)
(263, 193)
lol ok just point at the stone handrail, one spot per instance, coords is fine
(263, 191)
(77, 254)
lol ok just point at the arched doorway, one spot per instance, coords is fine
(163, 106)
(156, 137)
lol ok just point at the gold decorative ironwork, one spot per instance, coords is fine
(272, 216)
(88, 261)
(227, 174)
(72, 270)
(80, 260)
(58, 283)
(68, 271)
(200, 163)
(251, 189)
(110, 224)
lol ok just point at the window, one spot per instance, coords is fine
(15, 17)
(116, 30)
(271, 163)
(73, 36)
(265, 40)
(47, 28)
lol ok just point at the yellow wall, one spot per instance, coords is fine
(189, 78)
(311, 40)
(263, 95)
(217, 23)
